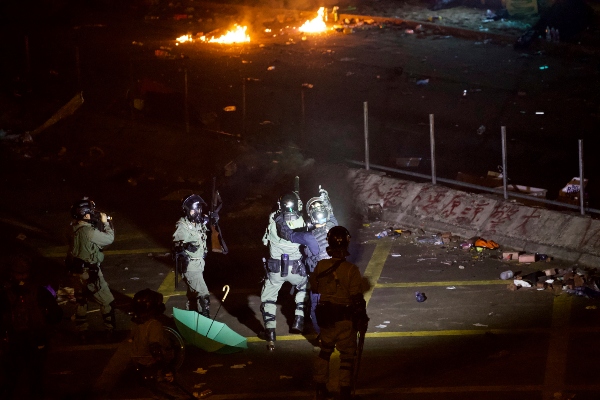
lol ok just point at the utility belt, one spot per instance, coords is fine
(279, 266)
(328, 313)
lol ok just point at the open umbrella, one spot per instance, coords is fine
(208, 334)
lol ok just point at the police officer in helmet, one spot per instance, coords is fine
(190, 248)
(90, 232)
(320, 211)
(341, 312)
(284, 235)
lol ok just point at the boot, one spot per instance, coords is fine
(322, 392)
(205, 304)
(345, 393)
(270, 333)
(298, 326)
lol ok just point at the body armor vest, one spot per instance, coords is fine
(279, 246)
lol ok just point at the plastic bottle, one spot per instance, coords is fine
(507, 275)
(420, 297)
(382, 234)
(548, 35)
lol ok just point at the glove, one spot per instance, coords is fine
(191, 247)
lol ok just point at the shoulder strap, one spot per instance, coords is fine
(330, 270)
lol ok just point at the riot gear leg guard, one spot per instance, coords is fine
(271, 337)
(298, 326)
(205, 305)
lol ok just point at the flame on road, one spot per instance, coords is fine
(184, 38)
(237, 35)
(316, 24)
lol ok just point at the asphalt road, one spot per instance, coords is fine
(478, 340)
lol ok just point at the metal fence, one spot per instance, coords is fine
(504, 191)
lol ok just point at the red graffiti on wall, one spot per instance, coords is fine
(502, 214)
(464, 213)
(431, 200)
(395, 194)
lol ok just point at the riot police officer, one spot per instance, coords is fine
(341, 312)
(321, 216)
(285, 263)
(90, 232)
(190, 249)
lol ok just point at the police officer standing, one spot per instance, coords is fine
(90, 233)
(285, 263)
(320, 211)
(190, 249)
(341, 312)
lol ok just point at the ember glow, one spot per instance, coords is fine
(316, 24)
(184, 38)
(237, 35)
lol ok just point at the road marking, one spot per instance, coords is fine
(558, 347)
(464, 332)
(375, 266)
(56, 253)
(449, 283)
(405, 390)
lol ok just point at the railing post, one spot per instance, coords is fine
(432, 141)
(366, 117)
(504, 176)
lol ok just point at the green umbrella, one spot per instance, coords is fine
(208, 334)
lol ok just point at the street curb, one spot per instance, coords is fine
(437, 208)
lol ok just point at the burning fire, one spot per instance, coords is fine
(316, 24)
(184, 38)
(237, 35)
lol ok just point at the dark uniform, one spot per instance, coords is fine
(27, 312)
(341, 306)
(321, 214)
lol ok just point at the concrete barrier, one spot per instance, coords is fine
(438, 208)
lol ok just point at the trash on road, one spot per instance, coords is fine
(507, 275)
(434, 239)
(420, 297)
(271, 68)
(380, 326)
(229, 108)
(423, 82)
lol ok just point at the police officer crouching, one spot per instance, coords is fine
(341, 312)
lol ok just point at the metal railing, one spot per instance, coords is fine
(504, 191)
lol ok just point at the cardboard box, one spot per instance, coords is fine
(510, 255)
(527, 258)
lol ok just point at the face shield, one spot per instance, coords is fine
(317, 211)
